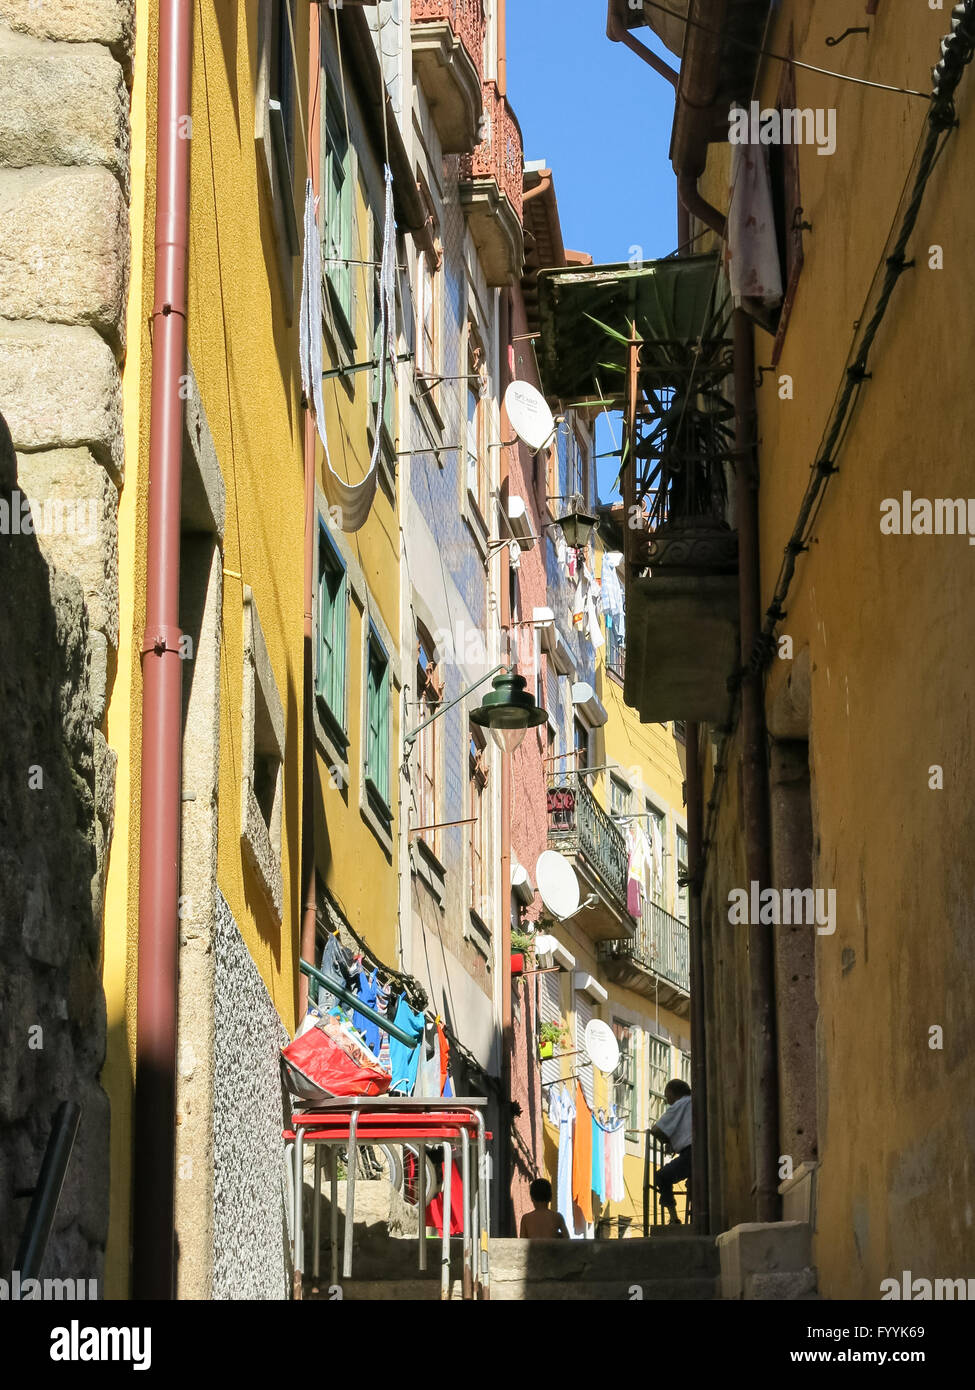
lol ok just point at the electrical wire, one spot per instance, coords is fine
(781, 57)
(957, 52)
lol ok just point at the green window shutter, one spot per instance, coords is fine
(332, 631)
(339, 207)
(377, 715)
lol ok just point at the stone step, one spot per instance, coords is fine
(521, 1262)
(610, 1290)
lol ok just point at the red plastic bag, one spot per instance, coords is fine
(328, 1058)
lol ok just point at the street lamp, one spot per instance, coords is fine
(509, 711)
(577, 527)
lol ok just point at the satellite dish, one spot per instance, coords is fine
(601, 1045)
(529, 414)
(557, 884)
(545, 944)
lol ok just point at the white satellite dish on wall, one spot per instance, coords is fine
(557, 884)
(529, 414)
(601, 1045)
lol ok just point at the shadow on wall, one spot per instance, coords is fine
(52, 1009)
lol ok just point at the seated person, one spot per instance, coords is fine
(674, 1126)
(543, 1223)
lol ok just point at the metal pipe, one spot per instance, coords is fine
(507, 1028)
(410, 738)
(350, 1169)
(161, 767)
(346, 995)
(695, 868)
(299, 1243)
(617, 31)
(448, 1172)
(47, 1193)
(763, 1059)
(699, 207)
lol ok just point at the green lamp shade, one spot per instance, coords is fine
(508, 706)
(577, 527)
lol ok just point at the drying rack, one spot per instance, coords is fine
(346, 1121)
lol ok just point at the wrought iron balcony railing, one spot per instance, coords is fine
(499, 156)
(578, 824)
(661, 945)
(466, 18)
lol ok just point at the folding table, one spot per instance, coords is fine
(345, 1121)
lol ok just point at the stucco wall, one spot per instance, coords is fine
(885, 623)
(249, 1219)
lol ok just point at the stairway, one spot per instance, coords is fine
(683, 1267)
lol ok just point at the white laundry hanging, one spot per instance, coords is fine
(354, 500)
(752, 245)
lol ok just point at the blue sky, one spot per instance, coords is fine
(601, 120)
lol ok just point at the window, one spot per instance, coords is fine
(428, 314)
(656, 834)
(550, 1011)
(580, 742)
(339, 242)
(333, 606)
(685, 1067)
(620, 797)
(477, 455)
(625, 1082)
(659, 1076)
(429, 695)
(479, 806)
(377, 722)
(681, 873)
(274, 108)
(584, 1016)
(262, 787)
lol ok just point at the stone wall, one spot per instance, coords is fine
(250, 1226)
(64, 262)
(52, 1011)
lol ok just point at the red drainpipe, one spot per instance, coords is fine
(309, 907)
(155, 1080)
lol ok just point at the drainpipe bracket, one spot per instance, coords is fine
(161, 638)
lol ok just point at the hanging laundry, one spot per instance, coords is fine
(617, 1150)
(337, 964)
(404, 1060)
(367, 990)
(752, 245)
(382, 1007)
(582, 1157)
(435, 1209)
(611, 592)
(444, 1056)
(598, 1160)
(353, 499)
(566, 1112)
(428, 1070)
(579, 606)
(635, 872)
(593, 628)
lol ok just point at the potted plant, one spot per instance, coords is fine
(550, 1036)
(521, 946)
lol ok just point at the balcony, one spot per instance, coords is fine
(491, 191)
(654, 341)
(655, 961)
(447, 37)
(579, 828)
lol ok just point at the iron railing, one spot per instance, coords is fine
(499, 156)
(578, 824)
(466, 18)
(661, 944)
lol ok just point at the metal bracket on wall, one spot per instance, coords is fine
(832, 42)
